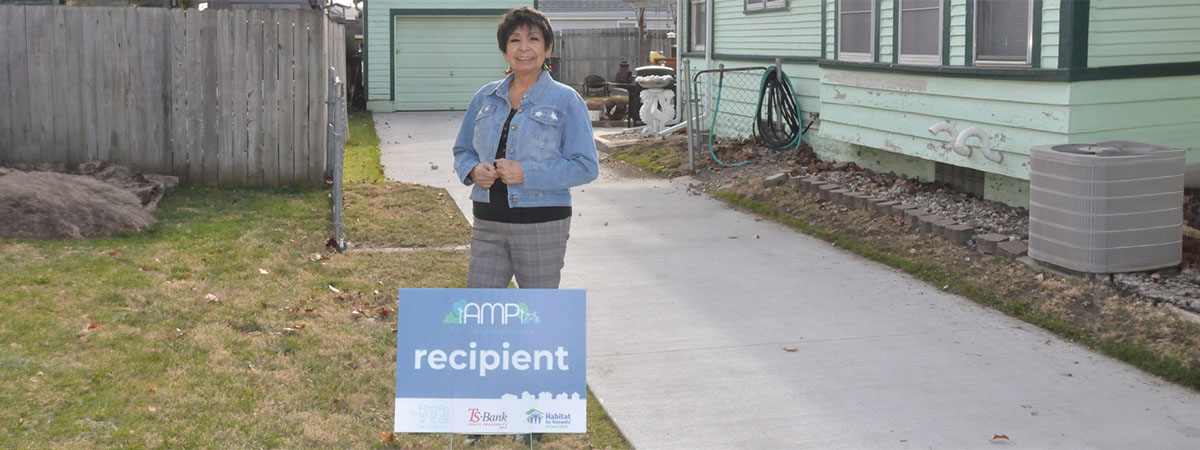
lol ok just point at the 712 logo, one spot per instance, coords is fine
(432, 414)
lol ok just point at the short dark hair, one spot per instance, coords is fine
(523, 17)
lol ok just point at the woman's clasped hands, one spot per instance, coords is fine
(508, 171)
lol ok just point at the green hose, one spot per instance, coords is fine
(712, 128)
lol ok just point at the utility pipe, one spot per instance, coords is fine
(984, 144)
(946, 127)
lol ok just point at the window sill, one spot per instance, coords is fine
(765, 10)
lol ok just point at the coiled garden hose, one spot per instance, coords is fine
(780, 127)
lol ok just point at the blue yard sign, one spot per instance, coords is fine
(480, 361)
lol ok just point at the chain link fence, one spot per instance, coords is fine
(725, 101)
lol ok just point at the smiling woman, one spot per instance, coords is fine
(524, 142)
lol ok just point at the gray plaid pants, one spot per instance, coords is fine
(533, 252)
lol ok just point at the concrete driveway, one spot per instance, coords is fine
(691, 306)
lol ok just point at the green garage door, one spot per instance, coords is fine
(441, 61)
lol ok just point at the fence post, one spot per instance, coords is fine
(335, 139)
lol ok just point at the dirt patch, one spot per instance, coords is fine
(93, 199)
(1104, 312)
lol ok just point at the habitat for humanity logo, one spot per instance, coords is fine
(464, 312)
(533, 416)
(551, 420)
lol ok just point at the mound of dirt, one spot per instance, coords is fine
(49, 205)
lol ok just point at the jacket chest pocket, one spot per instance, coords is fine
(485, 127)
(547, 128)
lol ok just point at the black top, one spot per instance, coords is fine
(499, 211)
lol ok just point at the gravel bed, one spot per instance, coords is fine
(1178, 285)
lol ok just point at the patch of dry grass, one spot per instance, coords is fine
(226, 324)
(402, 215)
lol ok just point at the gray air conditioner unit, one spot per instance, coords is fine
(1106, 207)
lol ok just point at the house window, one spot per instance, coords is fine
(920, 32)
(856, 30)
(1003, 32)
(759, 5)
(699, 15)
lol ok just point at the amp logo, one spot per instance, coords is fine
(474, 313)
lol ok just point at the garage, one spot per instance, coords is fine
(440, 61)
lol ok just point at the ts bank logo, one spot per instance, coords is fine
(472, 313)
(477, 417)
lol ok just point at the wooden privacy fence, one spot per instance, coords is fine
(229, 97)
(600, 51)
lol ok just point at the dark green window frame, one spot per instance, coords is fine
(768, 6)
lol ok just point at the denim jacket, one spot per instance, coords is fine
(551, 136)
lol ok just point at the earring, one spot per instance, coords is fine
(547, 67)
(509, 71)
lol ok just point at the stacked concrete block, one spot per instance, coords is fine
(938, 227)
(912, 217)
(837, 196)
(774, 180)
(1013, 249)
(884, 208)
(989, 243)
(900, 209)
(857, 200)
(959, 234)
(824, 192)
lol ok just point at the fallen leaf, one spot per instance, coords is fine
(357, 314)
(264, 271)
(335, 290)
(95, 325)
(211, 298)
(112, 253)
(177, 333)
(790, 349)
(289, 330)
(1040, 277)
(386, 437)
(1000, 436)
(153, 390)
(315, 257)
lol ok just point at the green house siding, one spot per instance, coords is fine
(1163, 111)
(1124, 32)
(795, 31)
(886, 30)
(382, 17)
(1051, 19)
(958, 32)
(894, 113)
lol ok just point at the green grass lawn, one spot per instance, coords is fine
(228, 324)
